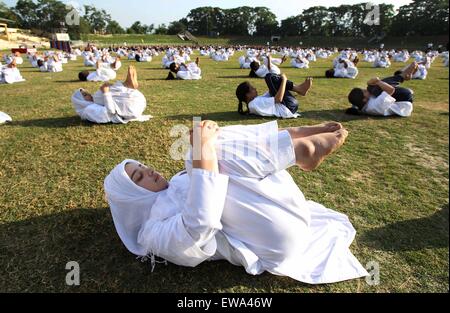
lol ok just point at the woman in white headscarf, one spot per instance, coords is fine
(237, 202)
(119, 103)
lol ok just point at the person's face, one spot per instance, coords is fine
(146, 177)
(86, 95)
(252, 94)
(366, 96)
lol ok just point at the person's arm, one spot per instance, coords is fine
(203, 139)
(110, 104)
(269, 63)
(188, 238)
(384, 86)
(282, 90)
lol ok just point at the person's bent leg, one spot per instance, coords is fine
(304, 88)
(311, 151)
(290, 102)
(131, 81)
(306, 131)
(403, 94)
(273, 82)
(394, 81)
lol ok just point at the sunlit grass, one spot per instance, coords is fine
(391, 178)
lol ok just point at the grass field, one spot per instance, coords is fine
(391, 178)
(412, 43)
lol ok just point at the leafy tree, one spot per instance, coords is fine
(265, 22)
(25, 10)
(98, 19)
(7, 13)
(114, 28)
(138, 28)
(292, 26)
(161, 30)
(426, 17)
(176, 28)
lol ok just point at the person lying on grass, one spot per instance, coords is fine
(235, 201)
(119, 103)
(384, 97)
(278, 101)
(191, 71)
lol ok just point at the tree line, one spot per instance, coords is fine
(420, 17)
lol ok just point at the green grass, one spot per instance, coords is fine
(391, 179)
(416, 42)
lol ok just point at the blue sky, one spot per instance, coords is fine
(126, 12)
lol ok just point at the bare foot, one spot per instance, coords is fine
(410, 70)
(283, 59)
(304, 88)
(131, 81)
(197, 61)
(312, 151)
(306, 131)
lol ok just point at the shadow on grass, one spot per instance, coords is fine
(59, 122)
(236, 76)
(411, 235)
(233, 116)
(68, 81)
(341, 116)
(35, 253)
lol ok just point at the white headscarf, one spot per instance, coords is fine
(130, 206)
(79, 103)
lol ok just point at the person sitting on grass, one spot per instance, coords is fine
(119, 103)
(277, 102)
(191, 71)
(235, 201)
(384, 97)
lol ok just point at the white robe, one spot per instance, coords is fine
(111, 107)
(265, 105)
(251, 214)
(421, 73)
(190, 72)
(264, 70)
(4, 118)
(385, 105)
(129, 103)
(102, 74)
(297, 64)
(10, 75)
(93, 112)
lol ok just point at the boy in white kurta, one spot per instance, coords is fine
(245, 209)
(261, 70)
(277, 102)
(344, 69)
(384, 97)
(191, 71)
